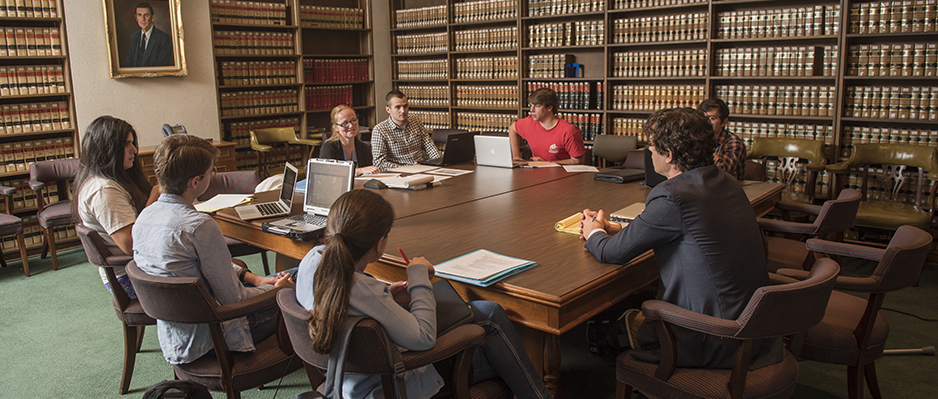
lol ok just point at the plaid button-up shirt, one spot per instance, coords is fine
(394, 146)
(731, 154)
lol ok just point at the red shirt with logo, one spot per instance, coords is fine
(563, 141)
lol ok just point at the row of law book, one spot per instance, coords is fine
(331, 17)
(327, 97)
(25, 198)
(35, 117)
(33, 235)
(490, 39)
(487, 96)
(589, 124)
(877, 189)
(21, 41)
(433, 119)
(29, 9)
(247, 73)
(897, 59)
(485, 10)
(661, 28)
(574, 95)
(894, 16)
(540, 8)
(770, 61)
(892, 102)
(253, 43)
(485, 121)
(579, 33)
(258, 102)
(248, 12)
(655, 97)
(420, 17)
(487, 68)
(884, 135)
(24, 80)
(19, 155)
(549, 66)
(747, 131)
(424, 43)
(660, 64)
(423, 69)
(820, 20)
(790, 100)
(631, 4)
(427, 96)
(247, 160)
(323, 70)
(240, 132)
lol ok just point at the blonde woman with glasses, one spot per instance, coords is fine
(345, 145)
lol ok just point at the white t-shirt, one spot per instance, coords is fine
(105, 207)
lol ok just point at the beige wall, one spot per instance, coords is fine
(147, 103)
(382, 46)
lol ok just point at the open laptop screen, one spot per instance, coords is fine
(326, 180)
(289, 180)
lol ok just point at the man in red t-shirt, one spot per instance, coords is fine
(551, 138)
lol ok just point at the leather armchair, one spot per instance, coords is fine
(265, 141)
(789, 151)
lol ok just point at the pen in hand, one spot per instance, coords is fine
(406, 261)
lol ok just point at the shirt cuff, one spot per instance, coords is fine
(594, 232)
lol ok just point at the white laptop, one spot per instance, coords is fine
(270, 209)
(326, 180)
(495, 151)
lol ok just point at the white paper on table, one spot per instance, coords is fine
(479, 265)
(408, 181)
(222, 201)
(440, 178)
(580, 168)
(378, 176)
(414, 169)
(449, 172)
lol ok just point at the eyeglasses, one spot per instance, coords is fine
(347, 123)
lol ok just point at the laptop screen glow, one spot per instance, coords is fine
(326, 180)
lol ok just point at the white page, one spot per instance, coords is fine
(378, 176)
(221, 201)
(414, 169)
(580, 168)
(479, 265)
(450, 172)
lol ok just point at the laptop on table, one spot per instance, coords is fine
(326, 180)
(270, 209)
(459, 148)
(495, 151)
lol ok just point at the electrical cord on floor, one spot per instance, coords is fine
(289, 361)
(909, 314)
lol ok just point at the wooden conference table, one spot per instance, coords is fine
(511, 212)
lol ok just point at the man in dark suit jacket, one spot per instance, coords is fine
(155, 50)
(703, 231)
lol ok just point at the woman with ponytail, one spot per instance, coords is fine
(333, 284)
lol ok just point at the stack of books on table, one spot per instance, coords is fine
(482, 268)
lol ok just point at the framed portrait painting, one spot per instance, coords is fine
(144, 38)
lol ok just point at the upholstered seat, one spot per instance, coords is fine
(12, 225)
(613, 149)
(265, 141)
(57, 214)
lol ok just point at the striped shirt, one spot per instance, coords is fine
(394, 146)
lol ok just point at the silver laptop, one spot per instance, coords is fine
(270, 209)
(326, 180)
(495, 151)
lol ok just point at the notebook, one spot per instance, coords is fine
(326, 180)
(495, 151)
(270, 209)
(459, 149)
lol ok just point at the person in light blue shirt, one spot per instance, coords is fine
(172, 239)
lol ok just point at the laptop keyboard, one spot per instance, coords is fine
(269, 208)
(309, 219)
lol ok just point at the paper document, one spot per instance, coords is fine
(449, 172)
(482, 267)
(414, 169)
(580, 168)
(407, 182)
(222, 201)
(569, 225)
(378, 176)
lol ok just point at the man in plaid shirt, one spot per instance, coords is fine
(730, 154)
(400, 140)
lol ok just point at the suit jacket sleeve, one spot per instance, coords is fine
(131, 54)
(659, 224)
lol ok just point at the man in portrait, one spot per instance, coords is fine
(149, 46)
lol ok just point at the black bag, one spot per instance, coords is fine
(177, 389)
(607, 334)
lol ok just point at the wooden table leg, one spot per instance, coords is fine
(544, 351)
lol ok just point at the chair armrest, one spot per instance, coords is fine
(118, 260)
(786, 226)
(678, 316)
(248, 306)
(844, 249)
(778, 278)
(36, 185)
(7, 190)
(844, 283)
(314, 143)
(798, 207)
(447, 345)
(840, 167)
(261, 147)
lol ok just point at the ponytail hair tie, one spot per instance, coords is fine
(338, 235)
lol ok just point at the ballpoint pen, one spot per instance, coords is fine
(406, 261)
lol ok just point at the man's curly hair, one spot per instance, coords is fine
(686, 133)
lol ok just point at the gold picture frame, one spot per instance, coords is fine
(130, 56)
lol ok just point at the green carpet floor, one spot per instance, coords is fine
(60, 338)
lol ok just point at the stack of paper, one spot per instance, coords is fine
(482, 267)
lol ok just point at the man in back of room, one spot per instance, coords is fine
(400, 140)
(551, 138)
(730, 154)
